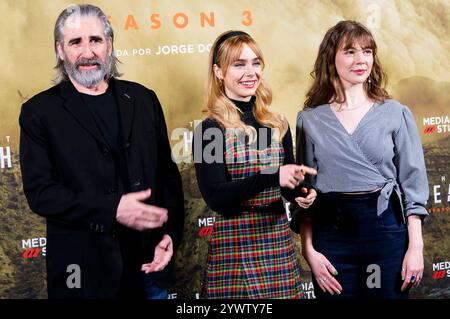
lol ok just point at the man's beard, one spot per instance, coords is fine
(88, 78)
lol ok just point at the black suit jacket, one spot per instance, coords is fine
(69, 177)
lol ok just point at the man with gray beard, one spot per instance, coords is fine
(96, 163)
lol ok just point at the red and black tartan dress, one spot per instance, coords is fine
(251, 254)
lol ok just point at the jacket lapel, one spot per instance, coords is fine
(125, 101)
(76, 106)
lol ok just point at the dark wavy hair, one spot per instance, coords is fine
(327, 87)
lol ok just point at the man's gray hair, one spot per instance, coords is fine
(82, 10)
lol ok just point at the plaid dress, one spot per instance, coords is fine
(251, 254)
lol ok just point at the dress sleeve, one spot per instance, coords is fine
(410, 164)
(220, 193)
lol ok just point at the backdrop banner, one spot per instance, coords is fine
(164, 45)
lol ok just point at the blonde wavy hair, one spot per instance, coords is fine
(220, 108)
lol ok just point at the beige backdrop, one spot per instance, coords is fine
(413, 41)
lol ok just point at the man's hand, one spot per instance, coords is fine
(163, 254)
(135, 214)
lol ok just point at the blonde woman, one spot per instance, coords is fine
(244, 163)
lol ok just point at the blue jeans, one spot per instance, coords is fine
(151, 289)
(361, 245)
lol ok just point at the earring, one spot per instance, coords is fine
(369, 81)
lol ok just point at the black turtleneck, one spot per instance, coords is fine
(222, 194)
(248, 117)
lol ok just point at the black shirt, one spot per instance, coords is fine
(105, 112)
(106, 115)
